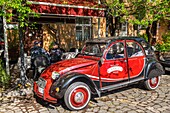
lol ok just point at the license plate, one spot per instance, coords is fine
(41, 90)
(41, 85)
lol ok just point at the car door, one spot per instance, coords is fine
(136, 58)
(114, 65)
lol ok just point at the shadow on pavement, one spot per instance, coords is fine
(117, 91)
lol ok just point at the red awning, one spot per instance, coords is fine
(68, 7)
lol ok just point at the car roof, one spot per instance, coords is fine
(111, 39)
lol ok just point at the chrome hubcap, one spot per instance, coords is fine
(78, 97)
(153, 80)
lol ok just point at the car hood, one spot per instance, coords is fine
(68, 65)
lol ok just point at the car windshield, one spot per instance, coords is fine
(95, 49)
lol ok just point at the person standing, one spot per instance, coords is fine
(55, 53)
(40, 59)
(37, 50)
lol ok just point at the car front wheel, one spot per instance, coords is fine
(77, 96)
(152, 83)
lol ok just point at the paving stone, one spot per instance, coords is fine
(96, 109)
(166, 111)
(148, 111)
(132, 111)
(18, 111)
(164, 104)
(116, 103)
(104, 107)
(140, 111)
(60, 109)
(157, 106)
(113, 108)
(125, 109)
(100, 103)
(2, 110)
(53, 110)
(89, 109)
(46, 111)
(151, 104)
(109, 112)
(34, 112)
(92, 104)
(118, 111)
(102, 111)
(109, 103)
(131, 107)
(119, 107)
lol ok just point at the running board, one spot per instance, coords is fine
(120, 85)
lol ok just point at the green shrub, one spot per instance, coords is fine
(4, 77)
(165, 45)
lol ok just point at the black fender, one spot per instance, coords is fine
(154, 69)
(63, 83)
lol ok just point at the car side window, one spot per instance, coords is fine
(92, 49)
(133, 49)
(115, 51)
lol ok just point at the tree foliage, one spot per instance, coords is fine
(16, 8)
(13, 11)
(165, 45)
(141, 12)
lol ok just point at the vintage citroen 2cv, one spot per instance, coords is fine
(104, 64)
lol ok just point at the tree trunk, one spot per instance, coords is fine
(22, 67)
(149, 34)
(6, 43)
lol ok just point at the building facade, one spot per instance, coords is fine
(68, 22)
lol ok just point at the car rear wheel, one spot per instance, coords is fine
(77, 96)
(152, 83)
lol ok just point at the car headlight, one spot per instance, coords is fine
(55, 75)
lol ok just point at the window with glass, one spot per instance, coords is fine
(96, 49)
(134, 50)
(83, 28)
(116, 51)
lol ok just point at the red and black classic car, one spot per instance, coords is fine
(104, 64)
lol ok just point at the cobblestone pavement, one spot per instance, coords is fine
(127, 100)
